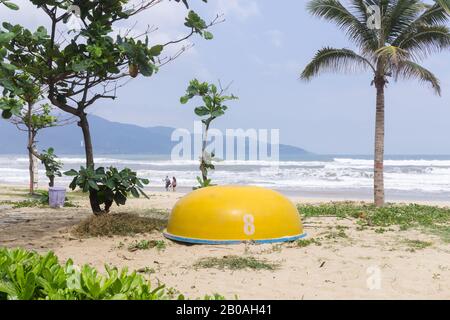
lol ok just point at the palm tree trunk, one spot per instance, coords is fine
(379, 145)
(93, 196)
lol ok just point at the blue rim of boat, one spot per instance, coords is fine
(202, 241)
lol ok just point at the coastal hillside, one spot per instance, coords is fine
(108, 137)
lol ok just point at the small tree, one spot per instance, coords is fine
(20, 105)
(213, 107)
(52, 165)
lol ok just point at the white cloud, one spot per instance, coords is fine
(289, 66)
(276, 37)
(242, 9)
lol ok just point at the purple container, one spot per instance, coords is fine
(56, 197)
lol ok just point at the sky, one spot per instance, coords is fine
(261, 48)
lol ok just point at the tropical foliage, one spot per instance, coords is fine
(26, 275)
(212, 108)
(111, 185)
(19, 105)
(409, 32)
(444, 4)
(52, 165)
(88, 62)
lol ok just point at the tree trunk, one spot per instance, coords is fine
(379, 145)
(31, 171)
(30, 145)
(203, 163)
(52, 181)
(93, 196)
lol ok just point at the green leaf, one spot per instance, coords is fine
(11, 5)
(8, 66)
(71, 172)
(119, 198)
(6, 37)
(184, 99)
(7, 114)
(110, 184)
(156, 50)
(134, 192)
(208, 35)
(81, 66)
(146, 69)
(201, 111)
(93, 185)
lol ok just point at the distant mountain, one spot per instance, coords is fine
(108, 137)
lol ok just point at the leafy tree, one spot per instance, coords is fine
(213, 99)
(20, 105)
(410, 31)
(91, 63)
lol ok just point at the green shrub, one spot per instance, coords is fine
(26, 275)
(110, 185)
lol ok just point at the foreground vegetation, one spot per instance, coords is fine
(27, 275)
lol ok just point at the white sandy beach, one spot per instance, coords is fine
(339, 268)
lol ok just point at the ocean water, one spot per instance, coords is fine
(406, 177)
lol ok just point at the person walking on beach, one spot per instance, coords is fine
(167, 180)
(174, 183)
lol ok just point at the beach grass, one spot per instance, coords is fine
(118, 224)
(33, 202)
(302, 243)
(432, 219)
(235, 263)
(160, 245)
(417, 244)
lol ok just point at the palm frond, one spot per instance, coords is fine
(356, 28)
(432, 16)
(426, 40)
(335, 60)
(392, 54)
(411, 70)
(445, 4)
(400, 15)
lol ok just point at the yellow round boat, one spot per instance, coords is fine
(234, 214)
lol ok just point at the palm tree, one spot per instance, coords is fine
(409, 32)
